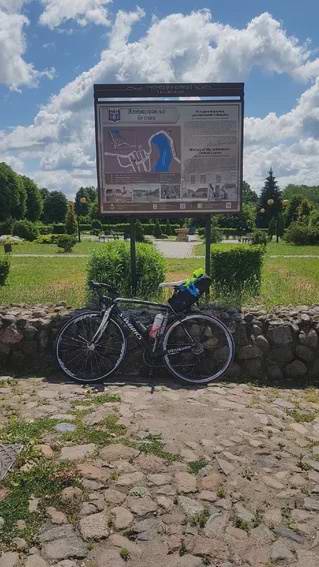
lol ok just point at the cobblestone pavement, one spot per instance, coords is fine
(226, 476)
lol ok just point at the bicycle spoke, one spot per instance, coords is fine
(81, 363)
(210, 352)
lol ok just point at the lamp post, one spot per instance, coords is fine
(270, 203)
(83, 201)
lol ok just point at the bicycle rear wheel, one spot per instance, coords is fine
(198, 349)
(79, 359)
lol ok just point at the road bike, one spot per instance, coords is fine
(194, 347)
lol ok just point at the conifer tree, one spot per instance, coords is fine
(70, 220)
(270, 201)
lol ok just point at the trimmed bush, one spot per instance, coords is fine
(216, 233)
(259, 238)
(45, 228)
(66, 242)
(96, 225)
(236, 269)
(85, 227)
(26, 229)
(4, 270)
(157, 230)
(58, 228)
(111, 264)
(6, 227)
(300, 234)
(139, 231)
(47, 238)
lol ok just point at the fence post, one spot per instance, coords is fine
(133, 256)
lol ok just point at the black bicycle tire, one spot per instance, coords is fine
(227, 333)
(102, 378)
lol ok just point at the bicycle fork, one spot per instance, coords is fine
(104, 323)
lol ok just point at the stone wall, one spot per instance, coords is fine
(281, 345)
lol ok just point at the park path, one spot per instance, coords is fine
(225, 475)
(171, 249)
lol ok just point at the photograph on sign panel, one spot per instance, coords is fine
(146, 193)
(118, 194)
(143, 150)
(170, 192)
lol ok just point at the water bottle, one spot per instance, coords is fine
(156, 325)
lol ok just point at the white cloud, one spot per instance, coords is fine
(57, 12)
(178, 48)
(12, 6)
(15, 71)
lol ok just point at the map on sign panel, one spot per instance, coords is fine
(129, 149)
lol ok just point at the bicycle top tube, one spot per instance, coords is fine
(142, 302)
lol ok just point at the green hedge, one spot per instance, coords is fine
(4, 270)
(148, 228)
(112, 265)
(58, 228)
(236, 269)
(302, 234)
(26, 229)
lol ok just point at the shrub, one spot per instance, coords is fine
(111, 264)
(300, 234)
(216, 233)
(85, 227)
(58, 228)
(236, 269)
(4, 270)
(45, 228)
(70, 220)
(6, 227)
(96, 225)
(259, 237)
(139, 231)
(66, 242)
(47, 239)
(26, 229)
(157, 230)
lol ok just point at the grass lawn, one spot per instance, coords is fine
(273, 249)
(84, 247)
(285, 281)
(45, 280)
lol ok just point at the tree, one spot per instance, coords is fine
(89, 193)
(303, 191)
(293, 210)
(304, 211)
(34, 203)
(44, 193)
(243, 222)
(55, 207)
(10, 193)
(248, 194)
(276, 226)
(269, 192)
(70, 220)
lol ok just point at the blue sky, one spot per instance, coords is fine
(53, 52)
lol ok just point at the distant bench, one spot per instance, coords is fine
(112, 236)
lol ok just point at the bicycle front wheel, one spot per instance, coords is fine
(84, 362)
(198, 349)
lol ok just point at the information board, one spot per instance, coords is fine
(169, 157)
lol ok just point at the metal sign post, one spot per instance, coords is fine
(133, 256)
(208, 238)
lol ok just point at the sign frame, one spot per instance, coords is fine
(154, 93)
